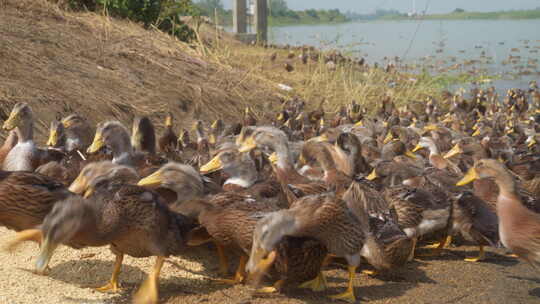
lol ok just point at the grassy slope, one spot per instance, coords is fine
(63, 62)
(60, 62)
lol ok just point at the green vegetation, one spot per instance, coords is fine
(460, 14)
(280, 14)
(163, 14)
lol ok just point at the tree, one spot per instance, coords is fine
(208, 7)
(458, 10)
(278, 7)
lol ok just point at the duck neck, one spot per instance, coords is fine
(25, 132)
(284, 161)
(121, 146)
(507, 185)
(244, 178)
(433, 150)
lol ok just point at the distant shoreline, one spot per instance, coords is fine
(511, 15)
(504, 15)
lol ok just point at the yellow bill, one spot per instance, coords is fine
(97, 144)
(389, 137)
(471, 176)
(410, 154)
(213, 165)
(373, 175)
(151, 180)
(53, 138)
(417, 148)
(273, 158)
(453, 152)
(79, 185)
(248, 145)
(168, 121)
(12, 122)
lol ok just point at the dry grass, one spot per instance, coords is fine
(62, 62)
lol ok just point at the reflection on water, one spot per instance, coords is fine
(507, 49)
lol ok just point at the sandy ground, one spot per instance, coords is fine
(445, 279)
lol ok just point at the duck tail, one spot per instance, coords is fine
(374, 253)
(26, 235)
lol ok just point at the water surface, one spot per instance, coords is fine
(508, 49)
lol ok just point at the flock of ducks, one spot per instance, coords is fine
(286, 194)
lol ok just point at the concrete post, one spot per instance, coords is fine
(239, 16)
(261, 20)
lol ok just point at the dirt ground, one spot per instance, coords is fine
(186, 279)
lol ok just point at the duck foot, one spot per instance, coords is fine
(346, 296)
(112, 287)
(481, 256)
(318, 284)
(370, 272)
(148, 292)
(271, 289)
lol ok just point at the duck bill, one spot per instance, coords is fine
(45, 255)
(53, 138)
(213, 165)
(373, 175)
(430, 128)
(453, 152)
(273, 158)
(468, 178)
(388, 138)
(359, 124)
(66, 122)
(410, 154)
(212, 139)
(168, 121)
(476, 133)
(88, 193)
(417, 148)
(79, 185)
(97, 144)
(11, 123)
(248, 145)
(259, 263)
(322, 138)
(152, 180)
(531, 143)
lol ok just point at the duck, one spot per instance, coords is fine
(323, 217)
(115, 137)
(476, 221)
(182, 180)
(72, 133)
(168, 141)
(26, 198)
(273, 140)
(143, 135)
(25, 155)
(94, 172)
(242, 174)
(228, 219)
(129, 218)
(519, 226)
(420, 213)
(249, 118)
